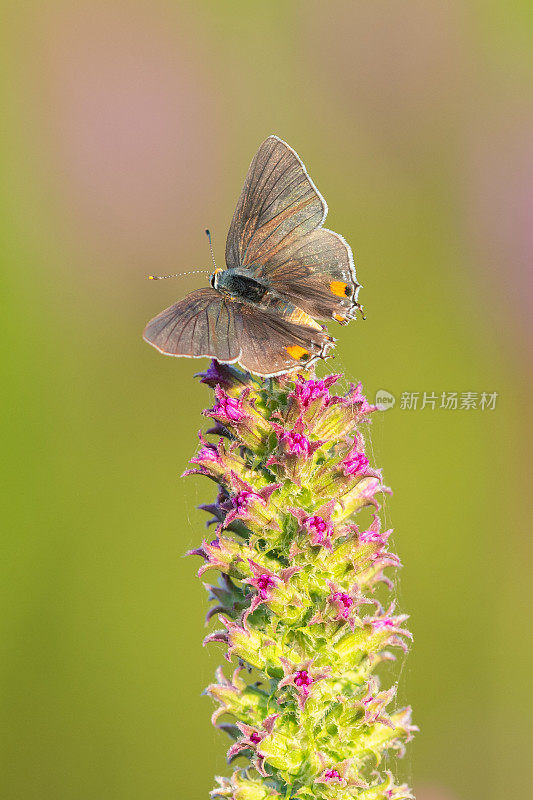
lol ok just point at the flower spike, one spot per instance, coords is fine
(295, 601)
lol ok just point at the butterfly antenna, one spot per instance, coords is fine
(176, 274)
(208, 234)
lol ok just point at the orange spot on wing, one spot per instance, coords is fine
(339, 318)
(296, 352)
(338, 288)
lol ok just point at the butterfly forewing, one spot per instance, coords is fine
(277, 233)
(278, 203)
(202, 324)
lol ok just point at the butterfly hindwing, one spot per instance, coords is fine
(316, 273)
(204, 323)
(272, 344)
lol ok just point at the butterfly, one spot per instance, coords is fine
(283, 271)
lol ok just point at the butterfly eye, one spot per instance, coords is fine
(214, 277)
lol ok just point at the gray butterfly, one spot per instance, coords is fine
(283, 270)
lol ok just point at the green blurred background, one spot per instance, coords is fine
(128, 128)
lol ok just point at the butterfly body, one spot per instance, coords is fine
(284, 271)
(238, 285)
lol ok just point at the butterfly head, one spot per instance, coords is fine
(214, 278)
